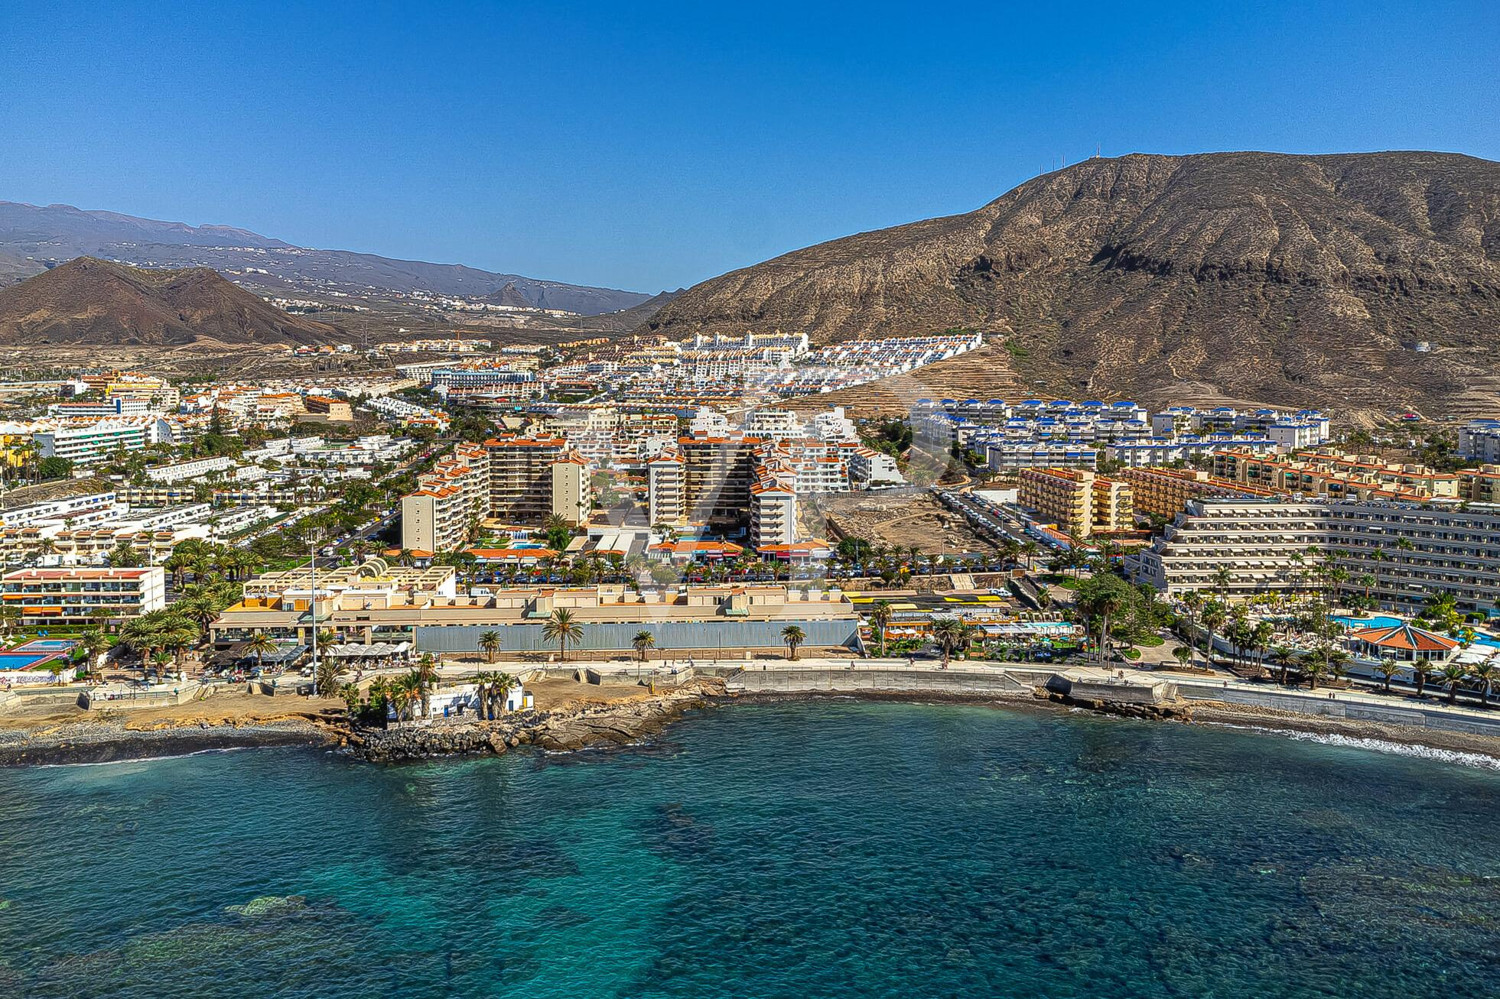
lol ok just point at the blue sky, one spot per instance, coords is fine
(655, 147)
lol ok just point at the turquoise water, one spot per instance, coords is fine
(801, 850)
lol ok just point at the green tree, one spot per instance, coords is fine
(1453, 674)
(489, 644)
(643, 643)
(260, 644)
(793, 637)
(1101, 597)
(951, 636)
(881, 616)
(562, 628)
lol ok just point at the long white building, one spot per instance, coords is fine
(1410, 551)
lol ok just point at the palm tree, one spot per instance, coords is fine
(562, 629)
(326, 679)
(1387, 668)
(260, 643)
(1421, 670)
(426, 677)
(91, 643)
(500, 686)
(793, 636)
(881, 616)
(1223, 578)
(951, 635)
(1339, 661)
(489, 644)
(1315, 665)
(1484, 672)
(1453, 674)
(643, 642)
(1214, 614)
(1260, 639)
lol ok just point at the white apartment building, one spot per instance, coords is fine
(189, 469)
(833, 425)
(1409, 550)
(874, 469)
(95, 442)
(82, 596)
(1012, 456)
(774, 424)
(1480, 440)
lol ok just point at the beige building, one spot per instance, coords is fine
(514, 480)
(1335, 475)
(1166, 491)
(1078, 501)
(442, 515)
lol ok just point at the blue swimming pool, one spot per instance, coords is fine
(46, 645)
(1386, 621)
(24, 660)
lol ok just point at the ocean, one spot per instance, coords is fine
(809, 849)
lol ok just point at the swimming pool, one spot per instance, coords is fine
(25, 660)
(46, 645)
(1385, 621)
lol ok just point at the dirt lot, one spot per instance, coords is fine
(901, 519)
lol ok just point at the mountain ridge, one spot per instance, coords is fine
(62, 232)
(1307, 279)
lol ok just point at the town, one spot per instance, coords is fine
(640, 507)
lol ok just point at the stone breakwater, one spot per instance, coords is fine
(590, 724)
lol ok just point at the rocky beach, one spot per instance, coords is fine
(574, 717)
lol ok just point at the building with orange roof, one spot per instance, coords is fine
(1404, 642)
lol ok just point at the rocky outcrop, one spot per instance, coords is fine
(1171, 711)
(590, 724)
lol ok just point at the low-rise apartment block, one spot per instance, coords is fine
(1165, 492)
(82, 596)
(1336, 475)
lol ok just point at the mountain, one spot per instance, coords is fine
(1286, 279)
(510, 295)
(60, 232)
(97, 302)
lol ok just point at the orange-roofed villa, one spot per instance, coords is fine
(1403, 642)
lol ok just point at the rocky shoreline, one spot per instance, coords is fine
(112, 741)
(608, 723)
(592, 724)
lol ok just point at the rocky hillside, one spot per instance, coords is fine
(96, 302)
(1252, 276)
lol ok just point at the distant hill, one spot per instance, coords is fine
(511, 295)
(97, 302)
(56, 233)
(1292, 279)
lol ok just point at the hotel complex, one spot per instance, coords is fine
(1409, 551)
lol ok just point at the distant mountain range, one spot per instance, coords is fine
(56, 233)
(1360, 281)
(101, 303)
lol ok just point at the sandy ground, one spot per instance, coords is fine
(903, 519)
